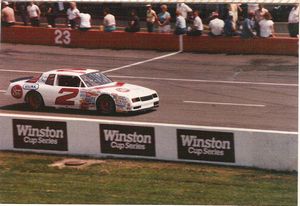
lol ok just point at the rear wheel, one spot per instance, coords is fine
(35, 101)
(106, 105)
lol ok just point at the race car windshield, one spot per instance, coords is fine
(95, 79)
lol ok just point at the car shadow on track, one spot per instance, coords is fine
(51, 110)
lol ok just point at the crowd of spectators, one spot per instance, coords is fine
(256, 23)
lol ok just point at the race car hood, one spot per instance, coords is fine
(124, 89)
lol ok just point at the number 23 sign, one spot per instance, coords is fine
(62, 37)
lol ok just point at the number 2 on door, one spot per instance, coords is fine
(65, 99)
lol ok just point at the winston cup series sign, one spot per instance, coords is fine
(36, 134)
(127, 140)
(205, 145)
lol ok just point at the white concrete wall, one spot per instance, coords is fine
(253, 148)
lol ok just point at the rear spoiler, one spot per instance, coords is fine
(20, 79)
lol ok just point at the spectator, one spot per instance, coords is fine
(85, 22)
(233, 10)
(60, 6)
(134, 23)
(260, 12)
(51, 14)
(197, 27)
(7, 15)
(216, 25)
(21, 8)
(73, 15)
(259, 15)
(34, 14)
(252, 8)
(293, 21)
(183, 9)
(266, 26)
(243, 12)
(180, 26)
(164, 20)
(151, 18)
(239, 24)
(229, 28)
(109, 21)
(248, 27)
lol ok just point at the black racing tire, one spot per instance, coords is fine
(35, 101)
(106, 105)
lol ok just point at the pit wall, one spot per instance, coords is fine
(148, 41)
(103, 138)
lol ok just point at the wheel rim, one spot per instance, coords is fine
(105, 106)
(34, 102)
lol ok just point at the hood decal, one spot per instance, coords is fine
(118, 84)
(122, 90)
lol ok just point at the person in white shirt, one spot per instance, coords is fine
(151, 18)
(85, 22)
(73, 15)
(266, 26)
(183, 9)
(180, 25)
(293, 21)
(259, 15)
(109, 21)
(216, 25)
(60, 6)
(197, 27)
(34, 14)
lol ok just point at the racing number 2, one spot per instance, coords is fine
(62, 37)
(65, 99)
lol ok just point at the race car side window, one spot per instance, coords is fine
(68, 81)
(50, 79)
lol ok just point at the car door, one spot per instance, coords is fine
(67, 88)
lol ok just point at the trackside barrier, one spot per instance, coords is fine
(148, 41)
(103, 138)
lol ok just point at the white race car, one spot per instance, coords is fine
(81, 89)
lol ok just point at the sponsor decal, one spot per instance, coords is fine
(16, 92)
(117, 84)
(128, 140)
(205, 145)
(43, 135)
(122, 103)
(88, 99)
(122, 90)
(30, 86)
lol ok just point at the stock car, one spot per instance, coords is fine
(85, 89)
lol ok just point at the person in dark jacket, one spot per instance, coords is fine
(229, 28)
(248, 30)
(51, 14)
(134, 23)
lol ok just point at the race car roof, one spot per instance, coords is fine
(72, 71)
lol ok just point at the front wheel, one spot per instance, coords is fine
(35, 101)
(106, 105)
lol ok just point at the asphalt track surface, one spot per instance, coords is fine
(239, 91)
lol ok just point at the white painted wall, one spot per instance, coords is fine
(253, 148)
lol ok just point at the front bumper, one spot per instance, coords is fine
(145, 105)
